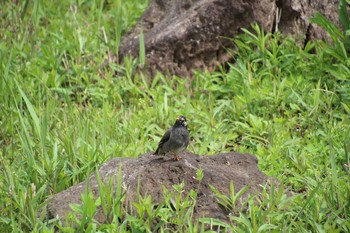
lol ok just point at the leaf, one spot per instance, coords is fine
(344, 15)
(31, 110)
(142, 52)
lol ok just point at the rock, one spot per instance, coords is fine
(152, 172)
(190, 34)
(181, 35)
(295, 14)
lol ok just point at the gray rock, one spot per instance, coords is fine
(193, 34)
(181, 35)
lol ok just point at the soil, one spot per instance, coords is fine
(153, 172)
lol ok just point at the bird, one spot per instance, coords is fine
(175, 140)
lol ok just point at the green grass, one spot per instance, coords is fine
(63, 115)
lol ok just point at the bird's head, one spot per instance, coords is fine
(181, 120)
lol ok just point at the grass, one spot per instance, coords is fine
(62, 116)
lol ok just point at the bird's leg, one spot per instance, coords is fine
(176, 157)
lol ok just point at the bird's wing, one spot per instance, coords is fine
(164, 139)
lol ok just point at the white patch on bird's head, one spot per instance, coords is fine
(182, 120)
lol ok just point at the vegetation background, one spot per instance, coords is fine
(62, 116)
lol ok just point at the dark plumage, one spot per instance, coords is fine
(175, 140)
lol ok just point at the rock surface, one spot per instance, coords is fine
(181, 35)
(295, 14)
(152, 172)
(189, 34)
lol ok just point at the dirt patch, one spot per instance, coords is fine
(152, 172)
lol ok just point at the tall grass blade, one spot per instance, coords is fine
(31, 110)
(142, 53)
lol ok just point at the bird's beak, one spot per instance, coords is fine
(177, 118)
